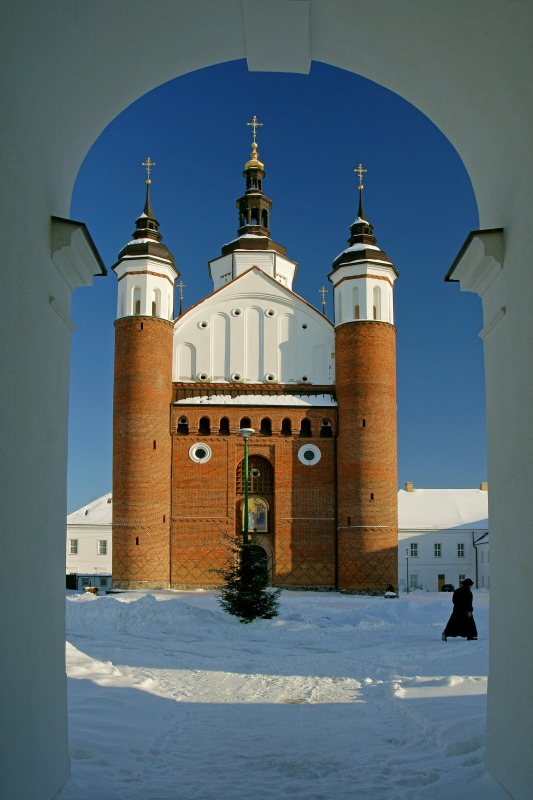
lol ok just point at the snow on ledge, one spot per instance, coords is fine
(260, 400)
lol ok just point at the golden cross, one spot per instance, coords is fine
(323, 292)
(255, 124)
(360, 170)
(148, 164)
(181, 287)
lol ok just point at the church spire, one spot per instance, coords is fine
(362, 243)
(146, 237)
(254, 207)
(146, 226)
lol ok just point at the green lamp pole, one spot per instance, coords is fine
(246, 433)
(407, 568)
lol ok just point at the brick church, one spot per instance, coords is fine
(321, 399)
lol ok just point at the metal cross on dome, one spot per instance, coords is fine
(323, 291)
(360, 170)
(255, 124)
(148, 164)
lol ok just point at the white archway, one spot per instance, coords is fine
(67, 70)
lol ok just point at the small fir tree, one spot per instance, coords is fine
(245, 593)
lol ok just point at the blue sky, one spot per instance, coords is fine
(317, 129)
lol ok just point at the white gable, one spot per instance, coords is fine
(254, 330)
(441, 509)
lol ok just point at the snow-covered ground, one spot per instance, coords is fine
(338, 698)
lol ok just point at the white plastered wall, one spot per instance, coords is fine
(253, 331)
(474, 84)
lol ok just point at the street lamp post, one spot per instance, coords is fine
(407, 568)
(246, 433)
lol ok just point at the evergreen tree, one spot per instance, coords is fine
(245, 593)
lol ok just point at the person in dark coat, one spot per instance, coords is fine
(461, 622)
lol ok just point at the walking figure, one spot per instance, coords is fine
(461, 622)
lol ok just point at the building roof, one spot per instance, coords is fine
(99, 512)
(441, 509)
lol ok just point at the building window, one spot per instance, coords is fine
(461, 579)
(460, 550)
(73, 547)
(204, 428)
(437, 550)
(482, 581)
(414, 550)
(305, 428)
(102, 547)
(103, 581)
(286, 429)
(413, 581)
(482, 556)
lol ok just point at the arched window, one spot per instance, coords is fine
(245, 422)
(376, 297)
(286, 428)
(224, 427)
(156, 302)
(260, 476)
(305, 428)
(266, 427)
(355, 302)
(183, 426)
(326, 431)
(264, 218)
(204, 428)
(255, 216)
(137, 300)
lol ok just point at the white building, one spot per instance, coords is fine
(90, 545)
(442, 537)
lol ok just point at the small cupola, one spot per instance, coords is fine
(362, 243)
(145, 268)
(146, 239)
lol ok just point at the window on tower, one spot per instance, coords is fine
(183, 426)
(224, 427)
(305, 428)
(245, 422)
(286, 428)
(204, 428)
(266, 427)
(326, 429)
(376, 296)
(136, 300)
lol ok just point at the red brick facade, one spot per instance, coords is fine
(141, 452)
(367, 455)
(331, 523)
(207, 498)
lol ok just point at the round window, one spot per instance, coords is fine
(270, 312)
(270, 377)
(202, 376)
(203, 324)
(236, 376)
(236, 312)
(309, 454)
(200, 453)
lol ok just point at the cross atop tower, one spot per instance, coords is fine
(360, 170)
(148, 164)
(255, 124)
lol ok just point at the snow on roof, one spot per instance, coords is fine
(260, 400)
(440, 509)
(421, 509)
(99, 512)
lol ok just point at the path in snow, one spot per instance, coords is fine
(339, 697)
